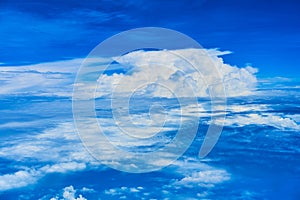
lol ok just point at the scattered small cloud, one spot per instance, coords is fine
(69, 193)
(206, 179)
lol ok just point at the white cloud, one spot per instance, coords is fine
(235, 108)
(87, 190)
(20, 124)
(275, 80)
(197, 174)
(51, 78)
(203, 178)
(124, 191)
(160, 67)
(18, 179)
(295, 117)
(59, 147)
(69, 194)
(64, 167)
(27, 177)
(266, 119)
(67, 66)
(36, 83)
(203, 71)
(202, 194)
(62, 138)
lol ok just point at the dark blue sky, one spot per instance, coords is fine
(264, 33)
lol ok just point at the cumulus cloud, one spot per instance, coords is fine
(69, 193)
(18, 179)
(203, 178)
(168, 73)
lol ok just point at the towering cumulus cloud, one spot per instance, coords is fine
(167, 73)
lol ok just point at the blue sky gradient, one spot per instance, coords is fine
(263, 33)
(45, 69)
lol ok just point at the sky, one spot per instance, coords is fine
(46, 76)
(263, 34)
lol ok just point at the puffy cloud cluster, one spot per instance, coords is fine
(184, 72)
(196, 179)
(69, 193)
(204, 178)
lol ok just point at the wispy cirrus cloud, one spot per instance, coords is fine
(54, 78)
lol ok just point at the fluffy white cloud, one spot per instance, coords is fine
(18, 179)
(69, 193)
(203, 178)
(185, 72)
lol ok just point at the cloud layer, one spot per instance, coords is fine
(184, 72)
(56, 150)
